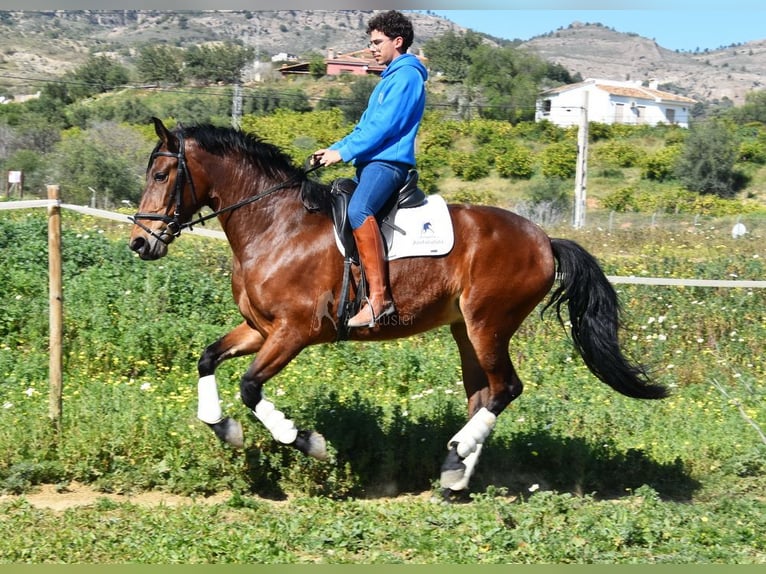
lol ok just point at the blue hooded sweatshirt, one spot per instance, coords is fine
(387, 128)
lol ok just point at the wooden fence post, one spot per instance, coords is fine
(56, 306)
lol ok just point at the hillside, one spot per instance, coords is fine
(594, 50)
(44, 44)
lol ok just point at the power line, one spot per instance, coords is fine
(226, 92)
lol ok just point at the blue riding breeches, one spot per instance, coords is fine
(377, 181)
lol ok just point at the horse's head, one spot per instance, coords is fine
(169, 199)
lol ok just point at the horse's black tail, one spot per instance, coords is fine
(594, 312)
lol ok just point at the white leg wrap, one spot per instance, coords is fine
(209, 405)
(281, 428)
(474, 433)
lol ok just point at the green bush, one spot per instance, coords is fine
(707, 160)
(753, 151)
(621, 200)
(599, 131)
(517, 162)
(560, 159)
(620, 153)
(471, 195)
(470, 166)
(661, 165)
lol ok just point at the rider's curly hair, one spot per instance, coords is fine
(393, 24)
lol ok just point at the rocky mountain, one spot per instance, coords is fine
(42, 45)
(45, 44)
(596, 51)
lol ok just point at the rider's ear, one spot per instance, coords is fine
(167, 138)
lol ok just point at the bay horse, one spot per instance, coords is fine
(288, 270)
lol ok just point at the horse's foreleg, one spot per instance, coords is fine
(243, 340)
(272, 358)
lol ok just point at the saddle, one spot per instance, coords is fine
(410, 195)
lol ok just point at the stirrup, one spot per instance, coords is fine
(387, 310)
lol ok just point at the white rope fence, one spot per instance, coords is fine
(102, 213)
(632, 280)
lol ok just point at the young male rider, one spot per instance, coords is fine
(382, 149)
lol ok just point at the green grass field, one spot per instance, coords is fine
(573, 472)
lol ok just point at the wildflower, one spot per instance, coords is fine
(146, 386)
(534, 487)
(30, 391)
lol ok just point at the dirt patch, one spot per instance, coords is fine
(77, 495)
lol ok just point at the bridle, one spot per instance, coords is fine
(174, 223)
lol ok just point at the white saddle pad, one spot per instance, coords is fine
(420, 231)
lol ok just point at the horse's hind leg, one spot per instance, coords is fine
(242, 340)
(491, 383)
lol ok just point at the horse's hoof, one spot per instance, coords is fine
(311, 443)
(453, 471)
(453, 479)
(229, 431)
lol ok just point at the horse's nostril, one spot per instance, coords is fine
(137, 244)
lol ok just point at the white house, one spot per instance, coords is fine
(612, 102)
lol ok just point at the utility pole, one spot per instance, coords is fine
(581, 171)
(236, 107)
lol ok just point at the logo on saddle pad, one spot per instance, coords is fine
(420, 231)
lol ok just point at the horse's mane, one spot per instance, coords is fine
(264, 156)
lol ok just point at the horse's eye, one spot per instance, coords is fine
(160, 176)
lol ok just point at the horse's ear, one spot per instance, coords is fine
(166, 137)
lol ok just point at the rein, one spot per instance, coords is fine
(174, 224)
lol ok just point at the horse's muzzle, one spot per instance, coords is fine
(149, 248)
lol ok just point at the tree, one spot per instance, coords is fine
(753, 110)
(509, 82)
(97, 75)
(451, 54)
(317, 66)
(107, 157)
(217, 63)
(159, 63)
(354, 106)
(706, 163)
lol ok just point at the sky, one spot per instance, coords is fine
(672, 29)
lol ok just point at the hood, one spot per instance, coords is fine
(406, 60)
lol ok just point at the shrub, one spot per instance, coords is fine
(554, 191)
(660, 165)
(516, 162)
(621, 200)
(753, 152)
(560, 159)
(471, 195)
(470, 166)
(706, 162)
(621, 154)
(599, 131)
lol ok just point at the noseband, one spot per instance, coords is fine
(174, 223)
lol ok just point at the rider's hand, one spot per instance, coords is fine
(326, 157)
